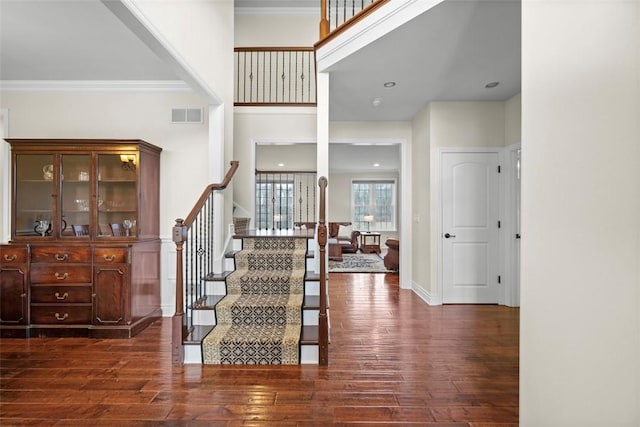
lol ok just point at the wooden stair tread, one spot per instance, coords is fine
(312, 302)
(197, 334)
(309, 335)
(217, 277)
(209, 303)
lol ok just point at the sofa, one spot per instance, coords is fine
(344, 235)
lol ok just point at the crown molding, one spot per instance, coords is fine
(93, 86)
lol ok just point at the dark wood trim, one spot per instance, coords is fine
(274, 49)
(275, 104)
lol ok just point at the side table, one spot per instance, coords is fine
(370, 242)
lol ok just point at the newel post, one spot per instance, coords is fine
(323, 323)
(177, 322)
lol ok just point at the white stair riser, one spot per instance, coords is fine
(193, 354)
(310, 317)
(229, 264)
(204, 317)
(309, 355)
(217, 287)
(312, 288)
(311, 264)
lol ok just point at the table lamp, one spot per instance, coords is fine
(368, 219)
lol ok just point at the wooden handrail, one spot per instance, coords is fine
(211, 187)
(323, 322)
(326, 34)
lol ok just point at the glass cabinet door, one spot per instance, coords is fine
(75, 195)
(117, 195)
(34, 184)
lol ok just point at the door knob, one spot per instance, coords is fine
(447, 235)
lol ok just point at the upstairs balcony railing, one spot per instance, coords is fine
(275, 76)
(286, 76)
(337, 15)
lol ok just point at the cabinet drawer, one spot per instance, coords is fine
(13, 255)
(60, 254)
(110, 255)
(61, 314)
(61, 274)
(61, 294)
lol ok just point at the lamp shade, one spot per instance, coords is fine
(368, 218)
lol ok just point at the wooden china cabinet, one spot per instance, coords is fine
(84, 255)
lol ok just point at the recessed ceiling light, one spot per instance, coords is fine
(376, 102)
(491, 85)
(376, 165)
(389, 84)
(280, 164)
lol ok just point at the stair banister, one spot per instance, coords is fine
(208, 190)
(180, 233)
(323, 323)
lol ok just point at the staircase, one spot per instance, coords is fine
(266, 279)
(262, 294)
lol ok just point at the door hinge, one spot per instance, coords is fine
(499, 169)
(499, 224)
(499, 279)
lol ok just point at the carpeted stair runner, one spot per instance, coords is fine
(259, 321)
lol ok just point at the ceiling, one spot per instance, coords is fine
(446, 54)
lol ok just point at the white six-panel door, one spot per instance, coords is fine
(470, 234)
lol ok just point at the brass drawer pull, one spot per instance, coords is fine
(63, 317)
(10, 258)
(109, 257)
(63, 296)
(61, 276)
(62, 257)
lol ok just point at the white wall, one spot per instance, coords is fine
(580, 315)
(421, 203)
(295, 157)
(513, 120)
(146, 116)
(253, 30)
(259, 124)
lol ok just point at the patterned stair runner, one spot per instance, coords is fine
(259, 321)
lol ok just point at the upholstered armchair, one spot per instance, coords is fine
(345, 236)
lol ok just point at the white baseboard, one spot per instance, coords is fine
(425, 296)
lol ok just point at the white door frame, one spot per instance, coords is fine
(508, 294)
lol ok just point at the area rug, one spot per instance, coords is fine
(258, 322)
(358, 263)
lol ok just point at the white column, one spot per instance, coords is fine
(322, 88)
(580, 291)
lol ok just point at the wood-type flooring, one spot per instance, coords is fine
(393, 360)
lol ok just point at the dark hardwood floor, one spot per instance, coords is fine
(392, 360)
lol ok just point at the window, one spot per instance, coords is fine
(375, 198)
